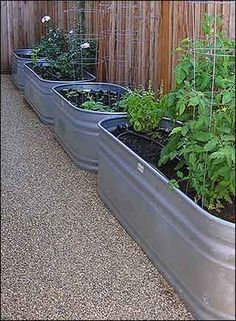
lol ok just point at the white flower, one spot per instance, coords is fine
(45, 19)
(85, 45)
(71, 32)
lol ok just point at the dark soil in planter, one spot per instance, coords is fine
(150, 150)
(49, 73)
(24, 56)
(108, 98)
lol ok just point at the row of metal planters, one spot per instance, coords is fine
(194, 250)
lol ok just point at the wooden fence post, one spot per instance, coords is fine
(164, 45)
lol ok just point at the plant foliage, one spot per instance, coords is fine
(204, 101)
(143, 109)
(66, 51)
(194, 72)
(206, 141)
(94, 101)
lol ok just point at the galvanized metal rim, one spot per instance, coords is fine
(161, 176)
(55, 90)
(61, 82)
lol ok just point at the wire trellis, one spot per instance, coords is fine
(116, 57)
(125, 9)
(213, 52)
(120, 37)
(90, 57)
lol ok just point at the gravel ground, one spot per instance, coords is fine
(64, 256)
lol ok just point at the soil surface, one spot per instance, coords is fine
(150, 150)
(27, 56)
(49, 73)
(108, 98)
(24, 56)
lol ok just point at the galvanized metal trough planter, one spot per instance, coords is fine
(17, 66)
(194, 250)
(76, 129)
(38, 92)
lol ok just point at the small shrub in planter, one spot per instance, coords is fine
(68, 52)
(194, 73)
(64, 52)
(205, 144)
(79, 108)
(199, 161)
(194, 249)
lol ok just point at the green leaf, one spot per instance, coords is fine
(217, 155)
(204, 81)
(179, 74)
(170, 147)
(184, 130)
(170, 100)
(228, 138)
(180, 174)
(211, 145)
(185, 40)
(222, 172)
(181, 105)
(203, 136)
(227, 97)
(230, 154)
(176, 130)
(178, 49)
(194, 101)
(179, 165)
(173, 183)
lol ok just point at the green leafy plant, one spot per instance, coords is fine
(143, 109)
(205, 144)
(35, 56)
(68, 52)
(93, 105)
(53, 44)
(194, 73)
(204, 100)
(209, 156)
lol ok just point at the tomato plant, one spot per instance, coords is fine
(205, 144)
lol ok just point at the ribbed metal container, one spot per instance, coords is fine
(76, 129)
(193, 249)
(38, 92)
(17, 66)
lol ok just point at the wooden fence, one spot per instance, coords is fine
(136, 38)
(21, 25)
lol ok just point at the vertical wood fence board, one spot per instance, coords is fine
(135, 60)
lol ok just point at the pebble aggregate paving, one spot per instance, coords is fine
(63, 255)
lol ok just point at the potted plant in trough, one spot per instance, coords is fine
(67, 54)
(79, 107)
(172, 185)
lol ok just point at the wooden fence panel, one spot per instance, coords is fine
(4, 37)
(136, 38)
(152, 57)
(20, 27)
